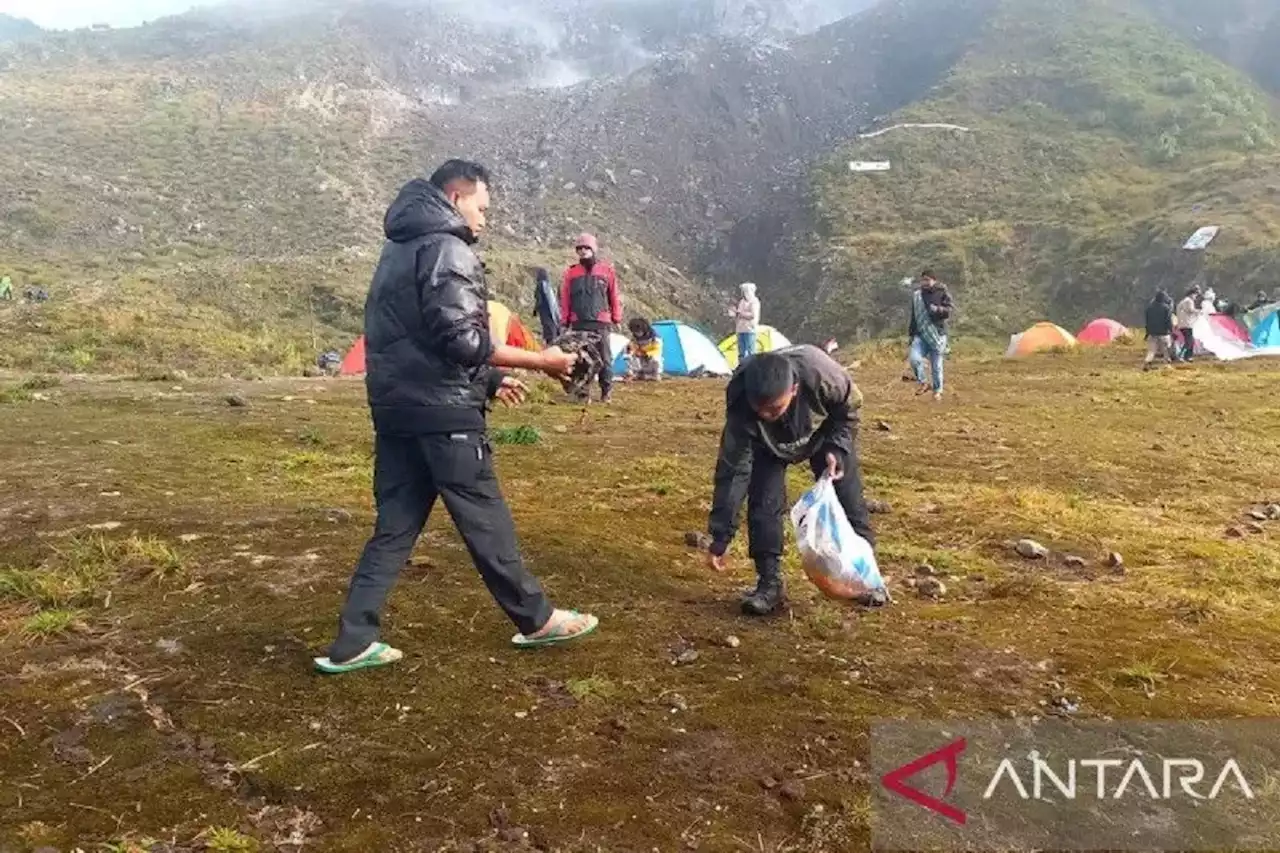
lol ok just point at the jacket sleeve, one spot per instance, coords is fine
(733, 471)
(495, 380)
(843, 401)
(564, 299)
(945, 306)
(615, 299)
(452, 301)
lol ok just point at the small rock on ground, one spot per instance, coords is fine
(931, 588)
(237, 401)
(884, 426)
(701, 541)
(732, 642)
(926, 571)
(1076, 562)
(879, 508)
(687, 657)
(1031, 549)
(1273, 512)
(792, 791)
(1259, 515)
(1235, 533)
(337, 516)
(1255, 528)
(1115, 560)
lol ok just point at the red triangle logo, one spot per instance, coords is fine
(896, 780)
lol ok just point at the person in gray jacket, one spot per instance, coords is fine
(782, 408)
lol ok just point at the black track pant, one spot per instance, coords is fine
(767, 502)
(409, 474)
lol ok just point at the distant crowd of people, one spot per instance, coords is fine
(1170, 328)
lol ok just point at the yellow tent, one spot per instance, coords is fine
(1040, 337)
(768, 339)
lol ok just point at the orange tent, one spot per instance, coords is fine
(504, 326)
(1040, 337)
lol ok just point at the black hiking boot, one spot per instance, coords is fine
(769, 593)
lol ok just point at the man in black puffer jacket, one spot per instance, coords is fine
(431, 374)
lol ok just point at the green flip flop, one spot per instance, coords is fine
(558, 635)
(378, 654)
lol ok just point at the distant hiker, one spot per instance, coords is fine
(645, 350)
(329, 362)
(1261, 301)
(1188, 314)
(1159, 323)
(6, 289)
(430, 378)
(931, 308)
(781, 408)
(746, 316)
(546, 306)
(589, 302)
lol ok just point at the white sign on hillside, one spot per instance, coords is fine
(869, 166)
(1200, 240)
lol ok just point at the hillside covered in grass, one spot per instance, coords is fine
(1097, 141)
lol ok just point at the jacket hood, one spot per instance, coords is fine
(748, 290)
(421, 209)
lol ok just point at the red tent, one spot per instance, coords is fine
(504, 326)
(1230, 328)
(353, 364)
(1101, 332)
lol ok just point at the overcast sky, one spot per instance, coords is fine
(82, 13)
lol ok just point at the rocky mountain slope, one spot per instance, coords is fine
(207, 190)
(1096, 143)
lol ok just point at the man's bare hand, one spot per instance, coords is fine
(557, 363)
(512, 391)
(716, 563)
(834, 471)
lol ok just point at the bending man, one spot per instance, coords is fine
(782, 408)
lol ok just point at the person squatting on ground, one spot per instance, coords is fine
(644, 351)
(1159, 325)
(590, 302)
(782, 408)
(430, 377)
(746, 317)
(931, 308)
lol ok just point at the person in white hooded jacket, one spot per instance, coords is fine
(746, 318)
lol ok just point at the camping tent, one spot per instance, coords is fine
(1266, 332)
(1101, 332)
(504, 326)
(686, 351)
(1040, 337)
(1220, 335)
(768, 339)
(618, 352)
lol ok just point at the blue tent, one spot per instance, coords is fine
(1266, 332)
(685, 351)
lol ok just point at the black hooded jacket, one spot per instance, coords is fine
(1159, 318)
(426, 321)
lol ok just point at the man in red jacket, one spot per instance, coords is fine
(589, 302)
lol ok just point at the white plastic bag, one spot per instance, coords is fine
(839, 562)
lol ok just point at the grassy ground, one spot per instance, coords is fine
(171, 564)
